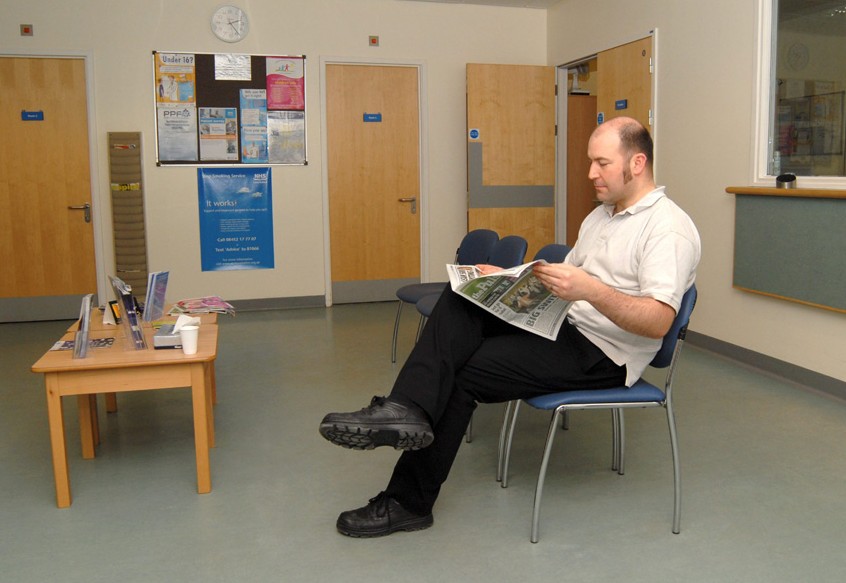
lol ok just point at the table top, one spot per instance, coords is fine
(119, 356)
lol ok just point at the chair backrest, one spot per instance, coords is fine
(509, 251)
(553, 253)
(476, 246)
(677, 331)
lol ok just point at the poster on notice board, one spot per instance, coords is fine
(236, 218)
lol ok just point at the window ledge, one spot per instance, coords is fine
(795, 192)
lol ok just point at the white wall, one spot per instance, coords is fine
(703, 133)
(120, 37)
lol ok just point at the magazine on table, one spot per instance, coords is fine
(204, 305)
(514, 295)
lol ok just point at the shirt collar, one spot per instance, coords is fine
(647, 201)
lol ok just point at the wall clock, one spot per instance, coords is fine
(797, 56)
(230, 23)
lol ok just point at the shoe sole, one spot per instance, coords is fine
(411, 525)
(362, 438)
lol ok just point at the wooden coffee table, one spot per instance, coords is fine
(117, 369)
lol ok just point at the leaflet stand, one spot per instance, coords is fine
(132, 331)
(80, 339)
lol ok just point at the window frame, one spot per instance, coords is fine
(765, 68)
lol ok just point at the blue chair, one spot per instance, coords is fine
(553, 253)
(509, 251)
(642, 394)
(474, 248)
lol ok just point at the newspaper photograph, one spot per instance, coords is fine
(514, 295)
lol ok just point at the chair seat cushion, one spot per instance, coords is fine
(640, 392)
(426, 304)
(412, 292)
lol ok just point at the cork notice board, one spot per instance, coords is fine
(225, 109)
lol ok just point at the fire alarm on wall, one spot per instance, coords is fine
(26, 30)
(374, 41)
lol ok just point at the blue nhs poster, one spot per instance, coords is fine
(236, 218)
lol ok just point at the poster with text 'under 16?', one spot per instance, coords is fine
(236, 218)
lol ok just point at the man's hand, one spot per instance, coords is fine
(566, 281)
(643, 316)
(487, 269)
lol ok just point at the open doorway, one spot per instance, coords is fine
(611, 83)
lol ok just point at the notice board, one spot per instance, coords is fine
(225, 109)
(792, 247)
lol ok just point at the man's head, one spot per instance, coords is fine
(620, 152)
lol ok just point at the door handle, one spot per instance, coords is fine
(86, 208)
(413, 201)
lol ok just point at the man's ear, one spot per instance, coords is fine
(637, 164)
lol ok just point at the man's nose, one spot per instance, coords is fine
(592, 173)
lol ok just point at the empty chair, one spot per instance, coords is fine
(641, 394)
(474, 248)
(509, 251)
(553, 253)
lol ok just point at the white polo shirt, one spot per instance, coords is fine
(650, 249)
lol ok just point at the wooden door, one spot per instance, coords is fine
(46, 248)
(511, 151)
(373, 133)
(624, 83)
(581, 196)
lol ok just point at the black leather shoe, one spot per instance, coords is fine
(384, 422)
(382, 515)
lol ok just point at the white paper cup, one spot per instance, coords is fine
(188, 335)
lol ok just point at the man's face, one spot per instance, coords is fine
(610, 169)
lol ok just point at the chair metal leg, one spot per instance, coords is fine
(615, 439)
(621, 448)
(550, 437)
(503, 431)
(420, 326)
(565, 420)
(674, 446)
(396, 331)
(508, 440)
(468, 433)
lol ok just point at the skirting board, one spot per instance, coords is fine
(291, 303)
(790, 372)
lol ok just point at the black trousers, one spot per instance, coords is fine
(466, 355)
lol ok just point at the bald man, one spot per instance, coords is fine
(635, 256)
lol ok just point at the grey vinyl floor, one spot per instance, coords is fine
(764, 476)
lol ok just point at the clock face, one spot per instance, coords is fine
(797, 56)
(230, 24)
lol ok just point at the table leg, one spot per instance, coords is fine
(57, 440)
(212, 381)
(95, 418)
(87, 430)
(200, 397)
(111, 402)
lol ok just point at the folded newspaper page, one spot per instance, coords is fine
(514, 295)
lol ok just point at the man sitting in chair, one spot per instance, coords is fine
(635, 257)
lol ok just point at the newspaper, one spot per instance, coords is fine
(514, 295)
